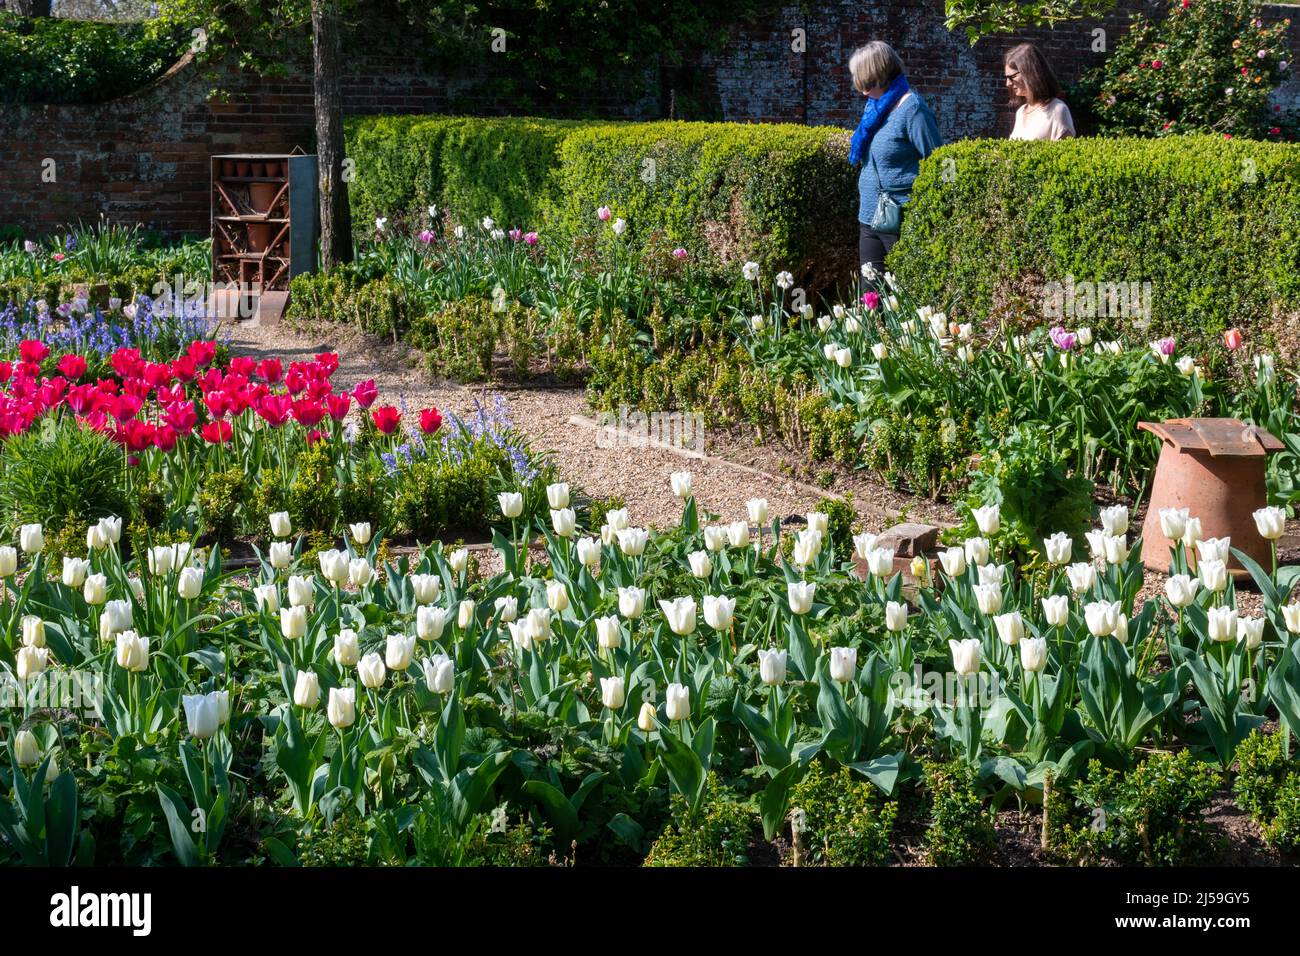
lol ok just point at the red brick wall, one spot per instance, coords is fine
(144, 158)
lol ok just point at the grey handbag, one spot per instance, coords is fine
(888, 217)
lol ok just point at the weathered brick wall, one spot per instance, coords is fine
(144, 158)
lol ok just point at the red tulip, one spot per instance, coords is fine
(164, 438)
(202, 353)
(6, 370)
(338, 405)
(185, 368)
(308, 413)
(366, 393)
(275, 409)
(270, 370)
(217, 433)
(126, 407)
(243, 365)
(386, 418)
(218, 404)
(125, 362)
(329, 362)
(72, 366)
(182, 416)
(32, 350)
(430, 420)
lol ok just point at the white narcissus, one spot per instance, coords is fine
(680, 615)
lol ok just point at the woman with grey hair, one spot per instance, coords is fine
(897, 131)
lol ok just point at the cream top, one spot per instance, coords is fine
(1050, 120)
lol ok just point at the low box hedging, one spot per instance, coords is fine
(1212, 224)
(782, 195)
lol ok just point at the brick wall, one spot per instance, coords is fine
(144, 158)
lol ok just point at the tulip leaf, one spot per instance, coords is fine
(771, 751)
(61, 818)
(557, 808)
(627, 831)
(1263, 580)
(471, 786)
(178, 825)
(881, 771)
(685, 770)
(774, 801)
(213, 661)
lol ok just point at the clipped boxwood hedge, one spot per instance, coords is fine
(782, 195)
(991, 222)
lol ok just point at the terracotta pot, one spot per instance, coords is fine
(259, 236)
(261, 195)
(227, 167)
(241, 168)
(273, 169)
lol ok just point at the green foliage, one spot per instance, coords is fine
(841, 516)
(58, 471)
(1025, 474)
(919, 453)
(961, 829)
(847, 821)
(1283, 831)
(220, 499)
(1262, 767)
(1150, 815)
(313, 496)
(1196, 69)
(437, 496)
(52, 60)
(983, 18)
(1218, 247)
(781, 195)
(460, 338)
(717, 834)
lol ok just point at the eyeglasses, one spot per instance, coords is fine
(1012, 76)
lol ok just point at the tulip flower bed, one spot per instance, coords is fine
(681, 696)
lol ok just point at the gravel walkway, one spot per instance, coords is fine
(640, 475)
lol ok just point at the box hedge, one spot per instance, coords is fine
(1212, 224)
(783, 195)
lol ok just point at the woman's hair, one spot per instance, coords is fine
(1035, 73)
(875, 64)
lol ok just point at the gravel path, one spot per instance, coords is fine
(640, 475)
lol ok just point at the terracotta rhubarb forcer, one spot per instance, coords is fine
(1213, 467)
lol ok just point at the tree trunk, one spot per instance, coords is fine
(335, 219)
(29, 8)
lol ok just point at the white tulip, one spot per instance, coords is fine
(342, 707)
(1058, 548)
(371, 671)
(618, 519)
(360, 573)
(1271, 522)
(1115, 519)
(677, 702)
(111, 528)
(95, 589)
(306, 690)
(965, 656)
(1213, 574)
(458, 560)
(1250, 631)
(74, 571)
(302, 591)
(1096, 543)
(132, 652)
(1173, 522)
(681, 482)
(1181, 590)
(645, 718)
(1214, 549)
(31, 538)
(439, 673)
(988, 597)
(426, 587)
(680, 615)
(161, 559)
(953, 561)
(465, 614)
(880, 562)
(347, 648)
(398, 651)
(631, 602)
(1116, 548)
(1101, 617)
(1010, 627)
(30, 661)
(537, 625)
(632, 541)
(519, 634)
(360, 532)
(772, 666)
(557, 495)
(701, 564)
(116, 616)
(430, 622)
(334, 566)
(189, 584)
(991, 573)
(202, 714)
(1291, 617)
(557, 597)
(988, 519)
(807, 545)
(281, 555)
(818, 521)
(33, 631)
(1082, 577)
(27, 752)
(879, 351)
(844, 662)
(719, 611)
(895, 616)
(1056, 610)
(1223, 624)
(293, 622)
(1033, 654)
(281, 526)
(757, 508)
(1192, 533)
(588, 552)
(609, 633)
(612, 692)
(864, 544)
(977, 551)
(8, 561)
(800, 595)
(738, 534)
(1121, 628)
(506, 609)
(512, 503)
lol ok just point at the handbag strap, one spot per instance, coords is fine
(880, 183)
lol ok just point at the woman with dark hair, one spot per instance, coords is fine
(896, 132)
(1044, 114)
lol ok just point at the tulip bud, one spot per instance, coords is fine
(645, 720)
(800, 595)
(844, 661)
(1033, 654)
(719, 611)
(347, 648)
(429, 622)
(1010, 627)
(399, 651)
(8, 561)
(202, 714)
(953, 562)
(370, 669)
(95, 589)
(1058, 548)
(506, 609)
(511, 504)
(189, 584)
(33, 631)
(680, 614)
(334, 566)
(612, 692)
(306, 690)
(895, 616)
(977, 551)
(1222, 624)
(965, 656)
(426, 587)
(757, 508)
(342, 707)
(27, 752)
(1056, 610)
(772, 666)
(677, 702)
(618, 519)
(74, 571)
(681, 482)
(519, 635)
(31, 538)
(360, 532)
(807, 545)
(465, 613)
(293, 622)
(281, 526)
(631, 602)
(557, 495)
(281, 555)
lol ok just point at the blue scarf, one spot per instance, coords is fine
(873, 117)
